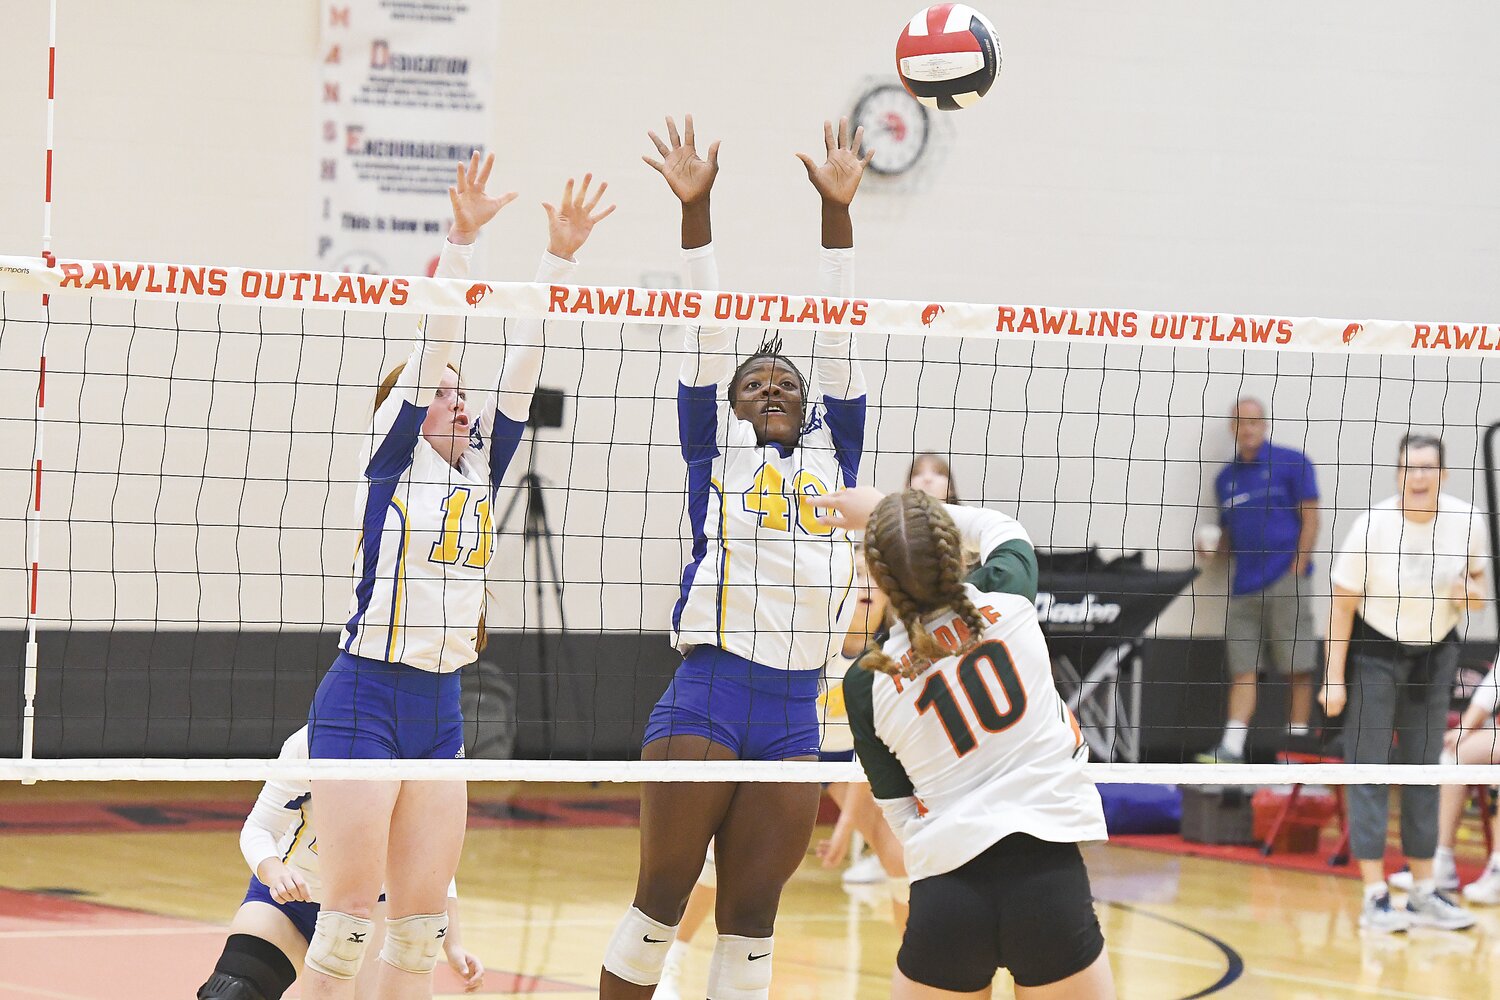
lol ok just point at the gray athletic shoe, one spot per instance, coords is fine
(1435, 909)
(1220, 755)
(1381, 917)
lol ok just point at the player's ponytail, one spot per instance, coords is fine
(915, 555)
(383, 391)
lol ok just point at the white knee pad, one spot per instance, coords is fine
(740, 968)
(709, 876)
(338, 944)
(638, 949)
(412, 943)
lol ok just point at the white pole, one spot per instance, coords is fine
(34, 509)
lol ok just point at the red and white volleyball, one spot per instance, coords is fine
(948, 56)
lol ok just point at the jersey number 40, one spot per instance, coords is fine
(768, 497)
(987, 658)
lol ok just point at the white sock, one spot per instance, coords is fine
(1443, 858)
(1424, 886)
(1234, 737)
(1295, 730)
(1374, 890)
(1494, 861)
(676, 955)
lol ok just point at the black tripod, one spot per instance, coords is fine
(539, 542)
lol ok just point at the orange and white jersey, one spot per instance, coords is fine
(975, 748)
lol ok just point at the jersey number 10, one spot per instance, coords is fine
(936, 694)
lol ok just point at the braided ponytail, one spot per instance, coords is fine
(915, 555)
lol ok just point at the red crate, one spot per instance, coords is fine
(1299, 834)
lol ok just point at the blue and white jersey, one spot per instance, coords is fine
(427, 529)
(281, 824)
(766, 579)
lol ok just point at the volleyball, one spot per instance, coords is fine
(948, 56)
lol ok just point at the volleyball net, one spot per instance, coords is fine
(181, 466)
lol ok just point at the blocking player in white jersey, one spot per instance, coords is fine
(766, 599)
(269, 934)
(428, 477)
(975, 759)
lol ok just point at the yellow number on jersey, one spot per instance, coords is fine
(480, 557)
(806, 485)
(448, 548)
(765, 497)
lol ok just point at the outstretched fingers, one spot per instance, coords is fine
(828, 140)
(844, 133)
(484, 172)
(672, 132)
(594, 201)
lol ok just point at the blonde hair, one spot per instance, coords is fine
(916, 556)
(382, 393)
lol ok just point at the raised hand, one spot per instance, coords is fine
(849, 509)
(690, 177)
(837, 178)
(472, 206)
(571, 220)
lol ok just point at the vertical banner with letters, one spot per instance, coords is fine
(404, 94)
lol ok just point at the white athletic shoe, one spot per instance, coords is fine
(1380, 916)
(1434, 909)
(865, 871)
(1443, 872)
(1485, 890)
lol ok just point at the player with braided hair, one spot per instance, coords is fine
(974, 758)
(766, 599)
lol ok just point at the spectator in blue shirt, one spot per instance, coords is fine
(1268, 516)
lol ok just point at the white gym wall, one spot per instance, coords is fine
(1276, 158)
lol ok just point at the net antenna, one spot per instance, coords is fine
(538, 540)
(34, 509)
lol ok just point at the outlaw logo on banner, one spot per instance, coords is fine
(404, 95)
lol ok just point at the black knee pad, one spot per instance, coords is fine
(249, 969)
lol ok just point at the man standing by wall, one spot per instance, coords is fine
(1268, 513)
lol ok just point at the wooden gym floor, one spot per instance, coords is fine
(122, 892)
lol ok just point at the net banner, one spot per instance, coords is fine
(330, 290)
(403, 94)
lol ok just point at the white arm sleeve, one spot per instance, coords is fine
(706, 358)
(836, 368)
(985, 530)
(436, 335)
(268, 822)
(523, 359)
(899, 813)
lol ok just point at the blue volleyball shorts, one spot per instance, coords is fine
(372, 710)
(759, 712)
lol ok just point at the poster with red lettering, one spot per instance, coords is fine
(404, 93)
